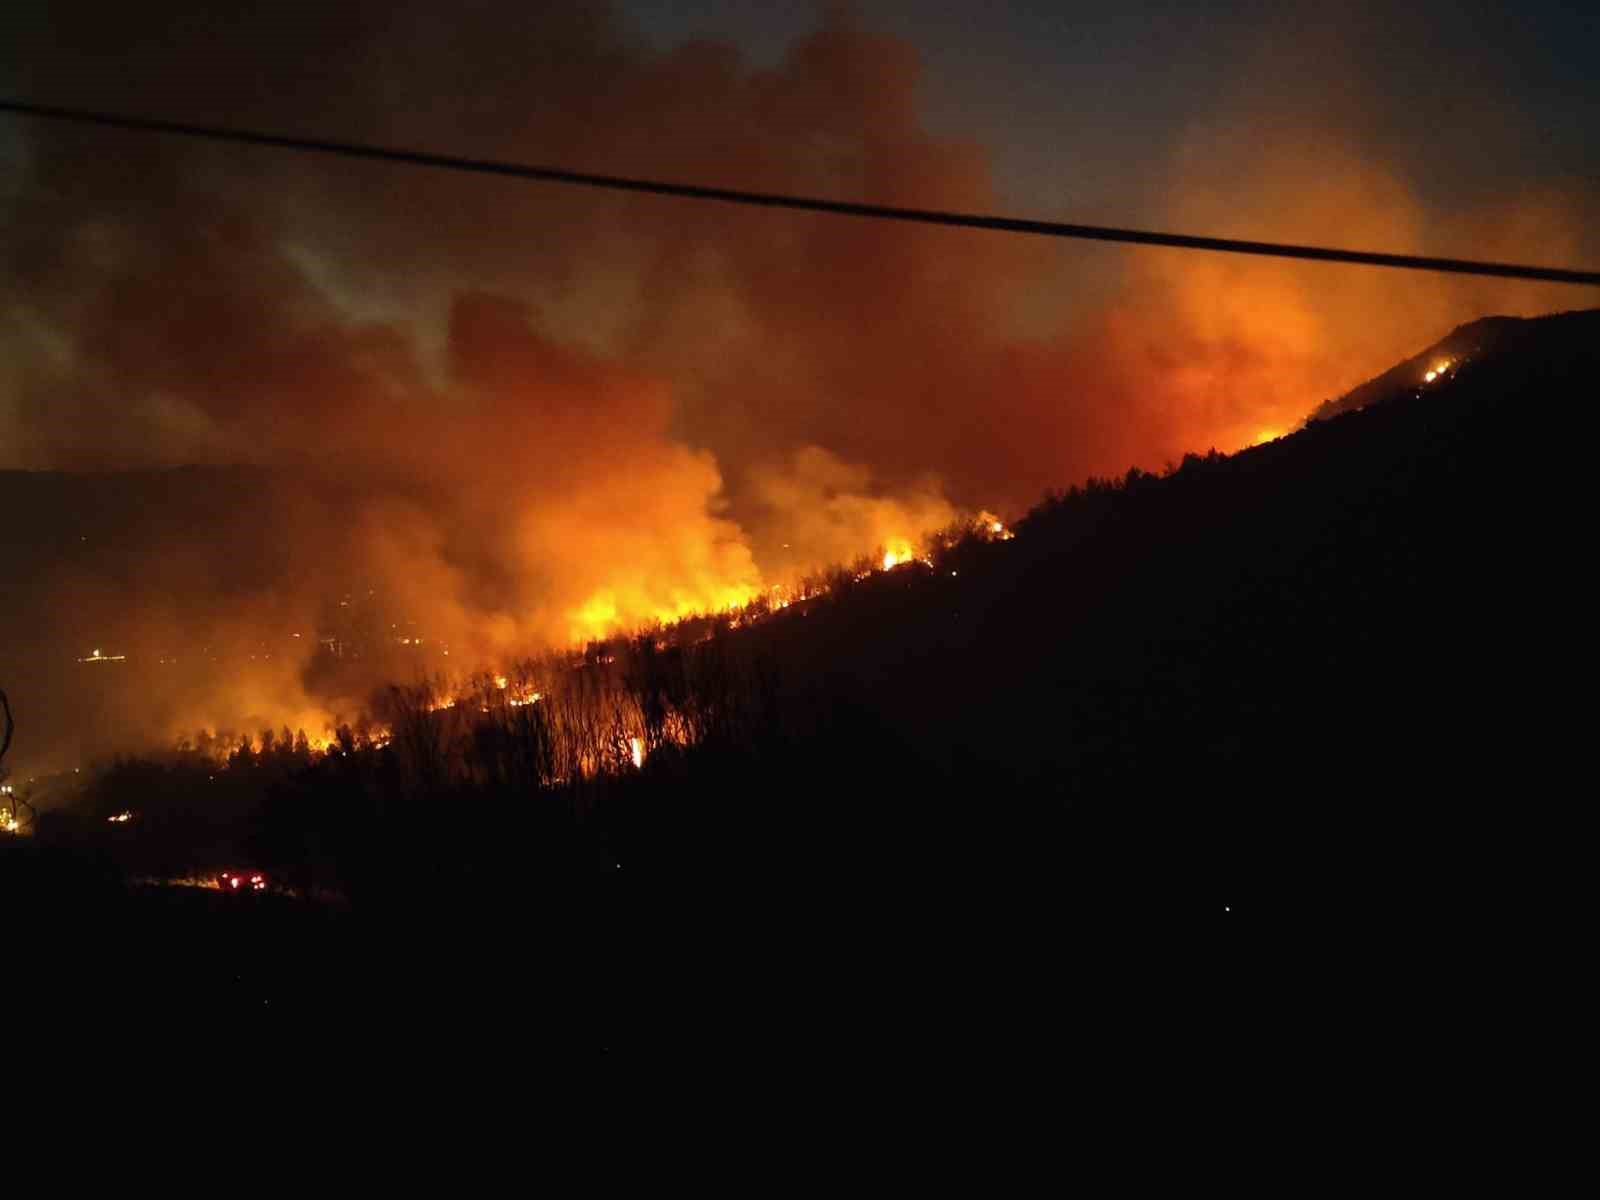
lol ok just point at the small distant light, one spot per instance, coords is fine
(1225, 908)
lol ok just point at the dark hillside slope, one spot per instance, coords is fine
(1358, 649)
(1487, 338)
(1264, 781)
(1341, 674)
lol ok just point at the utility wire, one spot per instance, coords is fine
(620, 183)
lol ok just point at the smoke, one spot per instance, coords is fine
(830, 512)
(491, 416)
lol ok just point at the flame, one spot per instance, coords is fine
(609, 612)
(122, 818)
(604, 613)
(738, 608)
(987, 525)
(898, 551)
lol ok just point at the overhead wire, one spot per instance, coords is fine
(781, 200)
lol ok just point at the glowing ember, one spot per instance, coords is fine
(122, 818)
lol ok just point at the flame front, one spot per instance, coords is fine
(899, 551)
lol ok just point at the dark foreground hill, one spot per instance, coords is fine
(1252, 788)
(1332, 666)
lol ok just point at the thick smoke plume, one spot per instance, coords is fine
(494, 416)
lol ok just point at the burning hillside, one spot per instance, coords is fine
(1137, 643)
(532, 419)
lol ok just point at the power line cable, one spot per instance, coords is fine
(689, 191)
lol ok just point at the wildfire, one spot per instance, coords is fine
(1438, 370)
(606, 613)
(898, 551)
(992, 527)
(121, 818)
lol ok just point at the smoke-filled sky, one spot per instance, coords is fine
(525, 413)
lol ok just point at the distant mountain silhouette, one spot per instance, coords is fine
(1474, 342)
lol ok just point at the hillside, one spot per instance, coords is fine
(1344, 651)
(1247, 784)
(1338, 654)
(1482, 341)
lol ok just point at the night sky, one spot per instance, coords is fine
(1080, 103)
